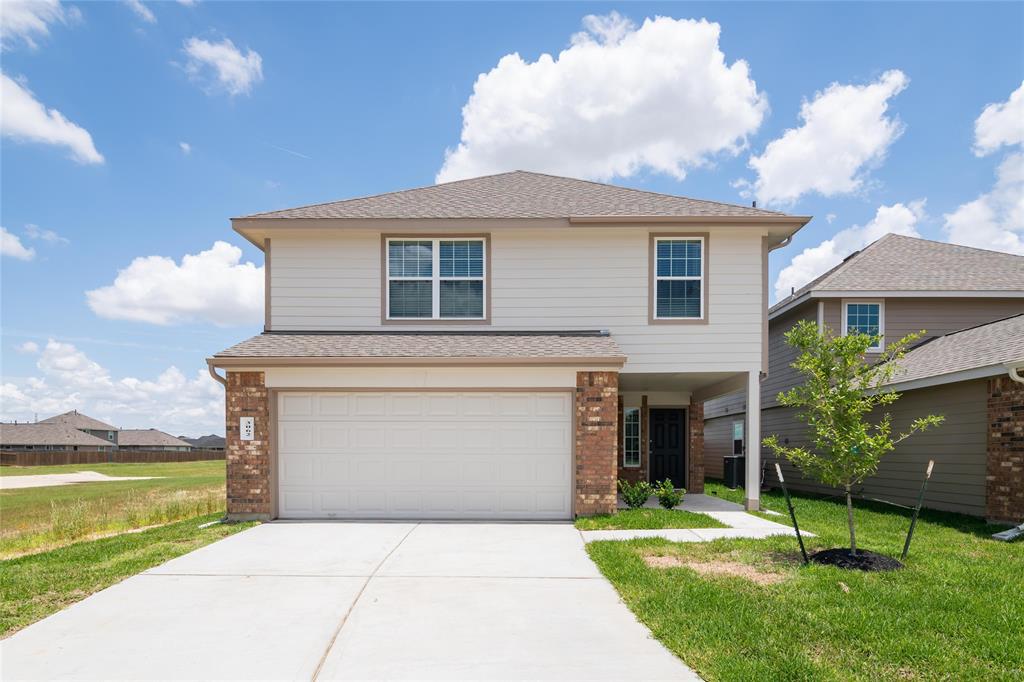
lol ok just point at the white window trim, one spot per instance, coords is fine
(701, 279)
(881, 319)
(435, 278)
(743, 436)
(640, 450)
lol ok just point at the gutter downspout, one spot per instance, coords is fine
(213, 373)
(1013, 369)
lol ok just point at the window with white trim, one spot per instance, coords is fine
(737, 437)
(865, 317)
(436, 279)
(679, 278)
(631, 437)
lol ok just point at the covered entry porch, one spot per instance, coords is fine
(661, 426)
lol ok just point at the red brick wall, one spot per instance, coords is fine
(597, 398)
(695, 458)
(248, 461)
(1004, 480)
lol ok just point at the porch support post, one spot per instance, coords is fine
(753, 441)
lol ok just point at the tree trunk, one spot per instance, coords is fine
(849, 520)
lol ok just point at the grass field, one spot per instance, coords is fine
(749, 609)
(33, 587)
(647, 518)
(36, 519)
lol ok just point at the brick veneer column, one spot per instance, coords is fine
(1004, 479)
(597, 396)
(695, 480)
(248, 461)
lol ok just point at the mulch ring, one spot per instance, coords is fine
(863, 560)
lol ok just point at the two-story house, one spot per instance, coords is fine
(86, 424)
(504, 347)
(969, 303)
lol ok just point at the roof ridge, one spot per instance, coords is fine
(375, 195)
(647, 191)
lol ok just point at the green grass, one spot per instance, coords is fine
(44, 518)
(954, 611)
(33, 587)
(647, 518)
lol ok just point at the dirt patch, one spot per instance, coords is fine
(733, 569)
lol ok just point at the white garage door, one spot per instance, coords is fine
(438, 455)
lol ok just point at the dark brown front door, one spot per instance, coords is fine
(668, 430)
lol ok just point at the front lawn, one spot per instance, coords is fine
(33, 587)
(748, 609)
(647, 518)
(36, 519)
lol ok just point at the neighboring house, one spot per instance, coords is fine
(895, 286)
(210, 442)
(151, 440)
(94, 427)
(503, 347)
(49, 436)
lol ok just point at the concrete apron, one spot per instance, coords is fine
(355, 601)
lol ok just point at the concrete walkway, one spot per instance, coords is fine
(741, 524)
(45, 480)
(355, 601)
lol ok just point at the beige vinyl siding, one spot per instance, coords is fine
(571, 278)
(958, 447)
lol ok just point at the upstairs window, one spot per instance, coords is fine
(679, 271)
(631, 437)
(436, 279)
(865, 317)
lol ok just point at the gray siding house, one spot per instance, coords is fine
(969, 302)
(151, 440)
(86, 424)
(49, 437)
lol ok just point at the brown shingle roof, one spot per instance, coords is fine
(48, 434)
(899, 263)
(518, 194)
(481, 345)
(148, 438)
(77, 420)
(986, 345)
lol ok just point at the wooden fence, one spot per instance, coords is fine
(27, 458)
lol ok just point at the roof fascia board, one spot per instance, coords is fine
(236, 362)
(949, 378)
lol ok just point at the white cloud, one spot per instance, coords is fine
(815, 261)
(994, 220)
(222, 65)
(68, 379)
(26, 21)
(141, 11)
(845, 131)
(28, 347)
(618, 100)
(48, 236)
(185, 147)
(24, 118)
(1000, 124)
(188, 3)
(212, 286)
(10, 245)
(831, 218)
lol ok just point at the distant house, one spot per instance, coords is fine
(967, 368)
(50, 436)
(210, 442)
(86, 424)
(150, 439)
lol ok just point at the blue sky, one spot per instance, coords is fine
(320, 101)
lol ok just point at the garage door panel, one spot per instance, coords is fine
(425, 455)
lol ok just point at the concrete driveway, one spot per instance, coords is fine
(355, 601)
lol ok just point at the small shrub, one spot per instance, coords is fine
(668, 496)
(635, 495)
